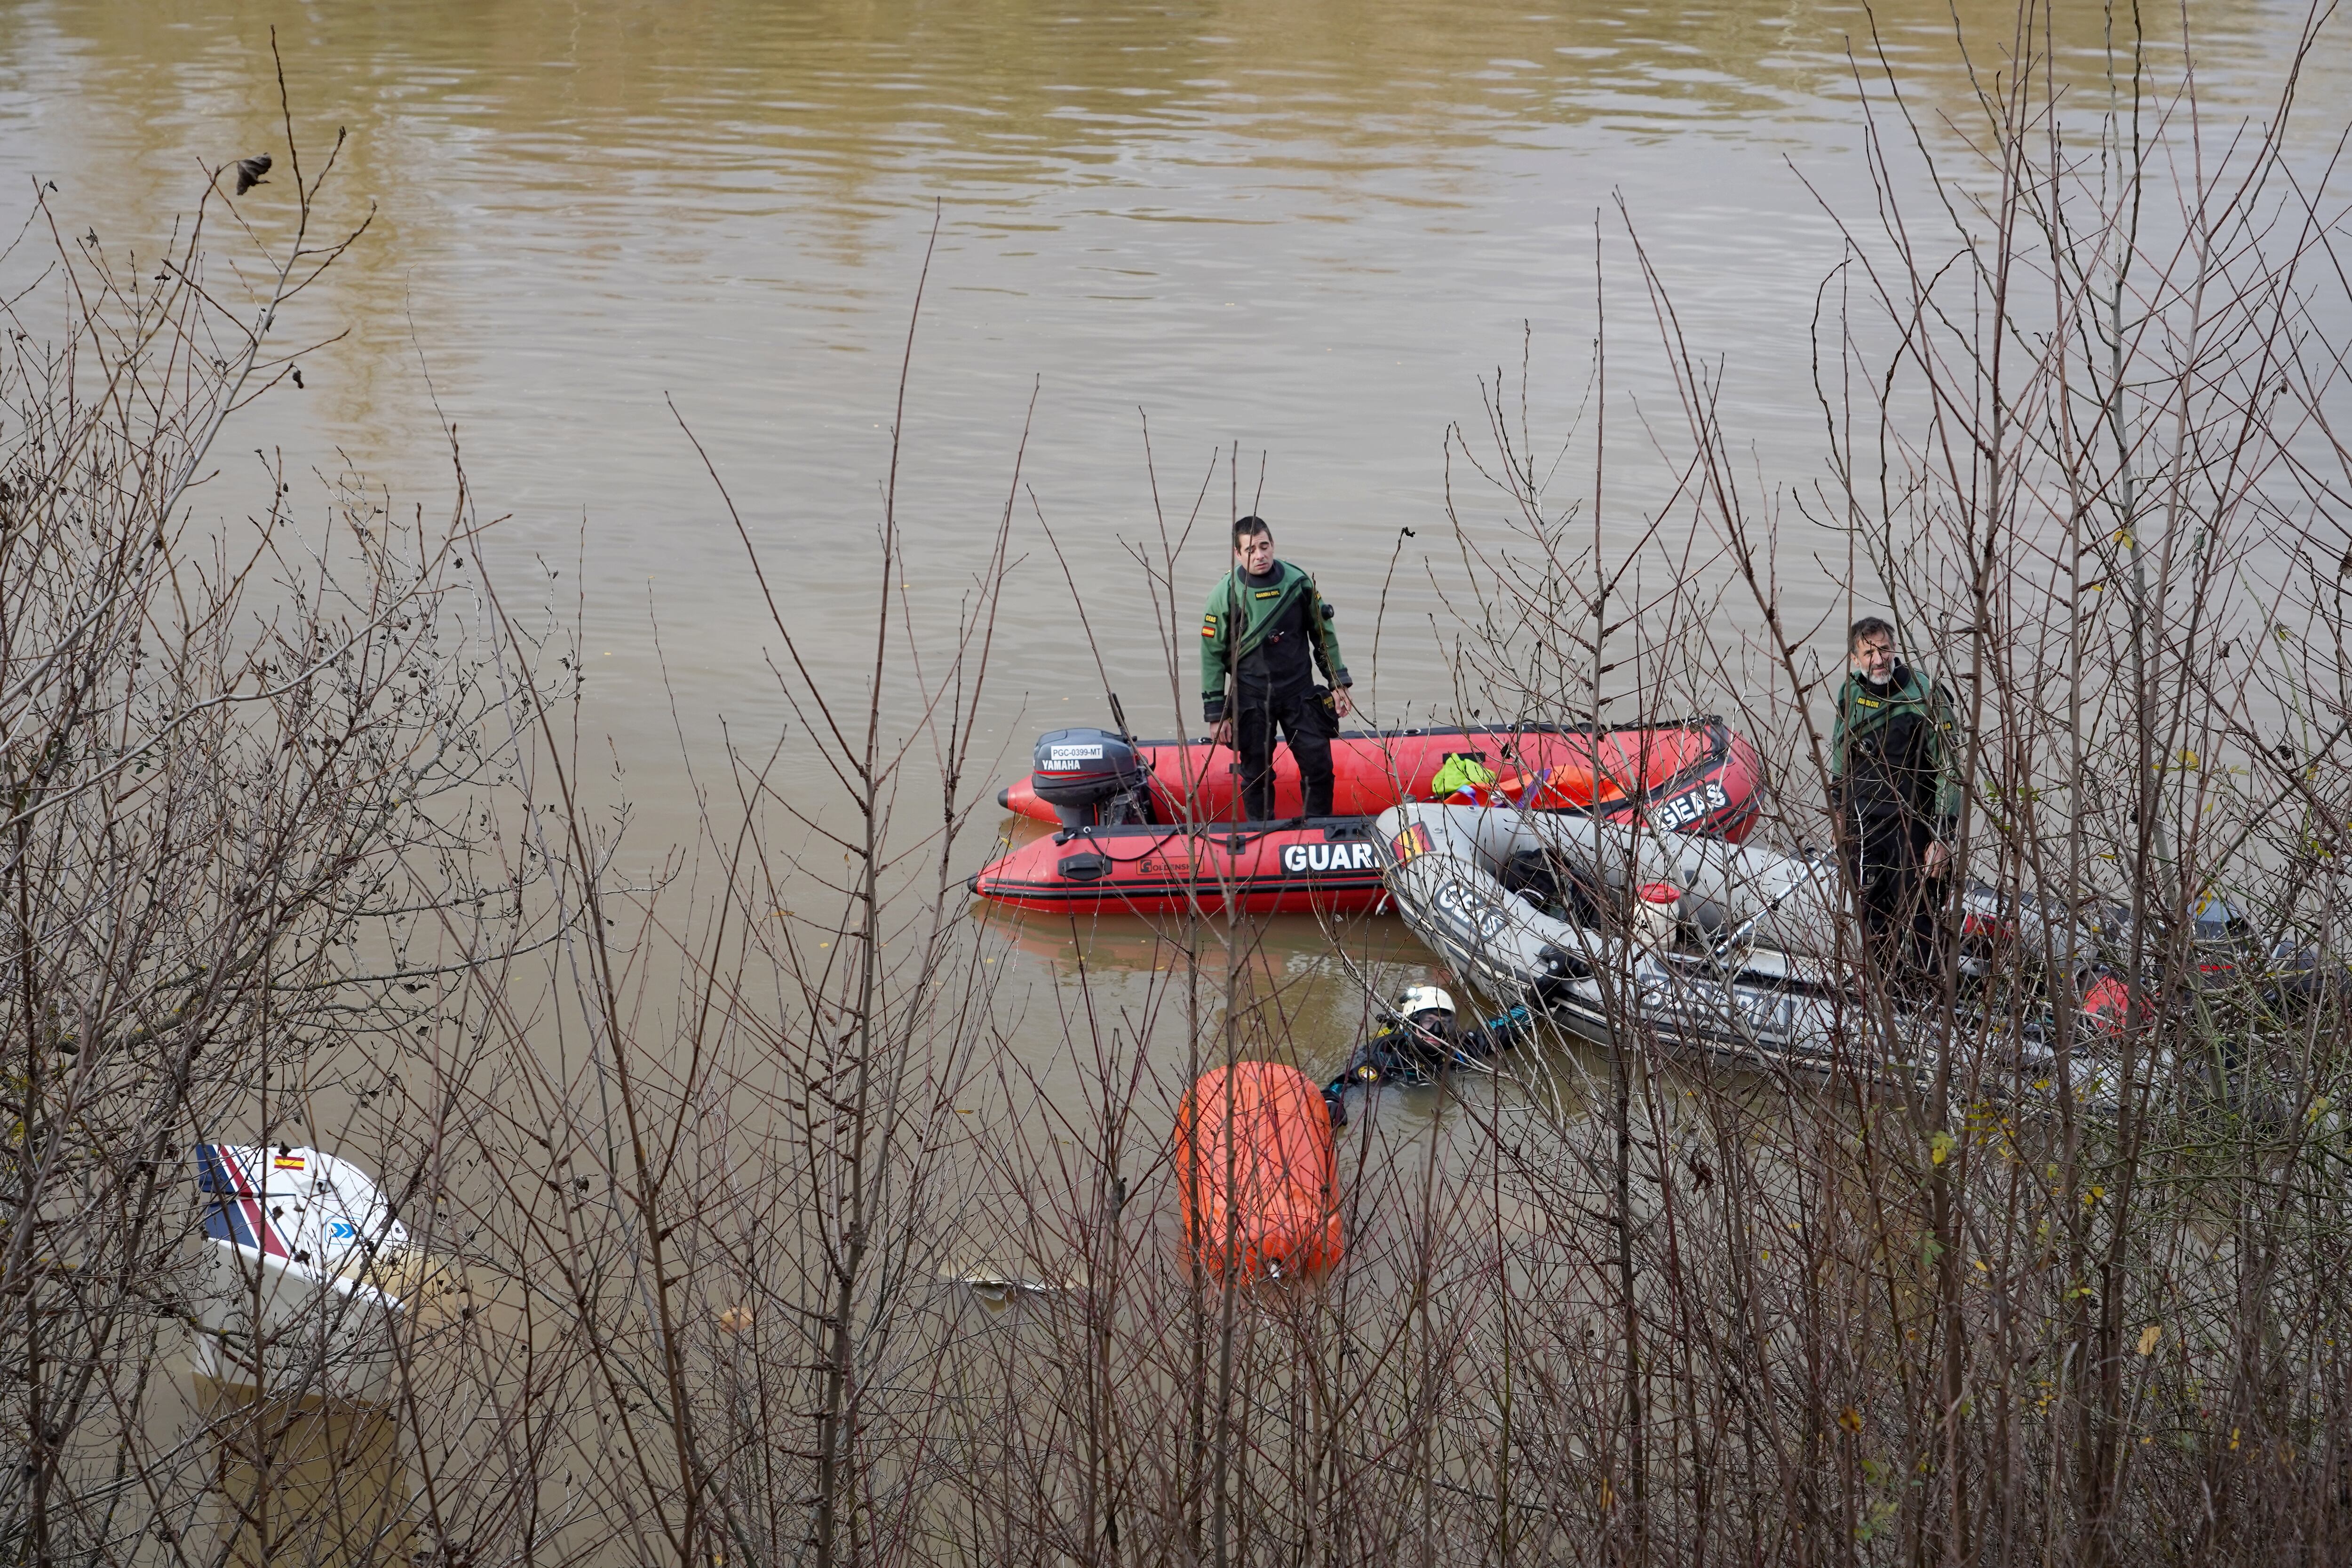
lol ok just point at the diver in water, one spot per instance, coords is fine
(1421, 1042)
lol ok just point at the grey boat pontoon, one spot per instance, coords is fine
(1695, 944)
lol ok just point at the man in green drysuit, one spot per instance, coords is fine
(1265, 633)
(1895, 783)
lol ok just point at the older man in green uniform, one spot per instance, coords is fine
(1264, 632)
(1895, 784)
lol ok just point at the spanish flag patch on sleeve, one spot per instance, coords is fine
(1209, 626)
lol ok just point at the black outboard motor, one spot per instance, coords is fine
(1092, 778)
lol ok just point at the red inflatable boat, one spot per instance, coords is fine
(1698, 778)
(1255, 1172)
(1199, 782)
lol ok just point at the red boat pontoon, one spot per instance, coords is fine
(1198, 780)
(1698, 777)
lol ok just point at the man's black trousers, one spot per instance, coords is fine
(1885, 861)
(1308, 724)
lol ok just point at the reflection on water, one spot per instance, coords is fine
(1311, 989)
(309, 1481)
(299, 1476)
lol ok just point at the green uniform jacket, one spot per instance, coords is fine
(1232, 604)
(1860, 714)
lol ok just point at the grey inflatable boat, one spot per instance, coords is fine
(1692, 943)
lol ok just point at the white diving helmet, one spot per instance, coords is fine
(1420, 999)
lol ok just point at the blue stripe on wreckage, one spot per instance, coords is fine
(225, 1217)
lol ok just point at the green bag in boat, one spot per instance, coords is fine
(1459, 773)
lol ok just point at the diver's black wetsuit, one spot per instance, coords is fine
(1402, 1054)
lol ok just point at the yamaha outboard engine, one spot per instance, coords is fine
(1092, 778)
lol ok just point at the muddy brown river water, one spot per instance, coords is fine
(1307, 232)
(1309, 229)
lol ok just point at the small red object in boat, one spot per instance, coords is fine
(2106, 1004)
(1653, 912)
(1257, 1174)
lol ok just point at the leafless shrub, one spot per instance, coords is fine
(720, 1271)
(233, 758)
